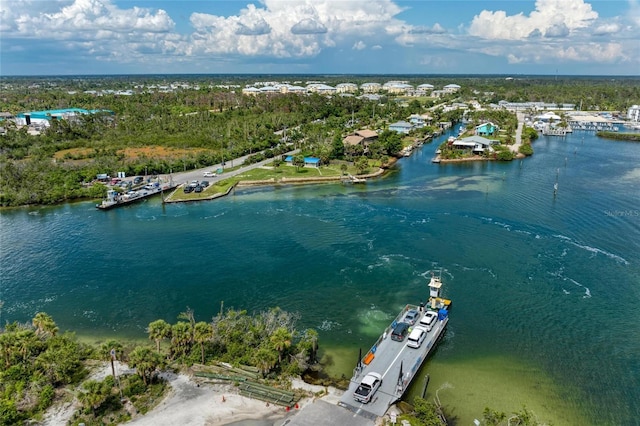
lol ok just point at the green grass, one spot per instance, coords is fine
(277, 173)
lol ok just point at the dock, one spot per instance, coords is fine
(395, 361)
(116, 199)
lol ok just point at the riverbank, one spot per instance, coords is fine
(281, 181)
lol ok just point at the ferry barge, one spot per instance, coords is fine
(384, 374)
(116, 199)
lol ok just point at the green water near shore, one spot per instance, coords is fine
(545, 289)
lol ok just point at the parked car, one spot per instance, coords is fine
(368, 387)
(187, 189)
(194, 183)
(204, 183)
(411, 317)
(428, 320)
(400, 331)
(416, 337)
(198, 188)
(138, 180)
(209, 174)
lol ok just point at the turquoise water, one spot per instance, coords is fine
(545, 289)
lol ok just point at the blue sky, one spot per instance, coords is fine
(62, 37)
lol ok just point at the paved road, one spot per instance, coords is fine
(516, 146)
(198, 174)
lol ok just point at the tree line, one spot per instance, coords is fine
(205, 124)
(36, 361)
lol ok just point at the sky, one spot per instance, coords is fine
(88, 37)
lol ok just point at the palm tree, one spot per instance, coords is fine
(145, 361)
(158, 331)
(202, 332)
(44, 324)
(180, 338)
(281, 340)
(265, 359)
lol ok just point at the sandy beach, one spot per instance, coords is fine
(195, 403)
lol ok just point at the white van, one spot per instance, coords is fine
(429, 320)
(416, 337)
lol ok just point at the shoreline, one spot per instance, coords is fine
(281, 181)
(195, 402)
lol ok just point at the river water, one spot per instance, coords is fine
(545, 288)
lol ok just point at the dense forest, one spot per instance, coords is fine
(202, 120)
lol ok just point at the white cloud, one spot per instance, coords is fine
(435, 29)
(551, 17)
(308, 26)
(606, 29)
(634, 12)
(359, 45)
(296, 31)
(298, 28)
(557, 30)
(83, 18)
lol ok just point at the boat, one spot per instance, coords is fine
(397, 355)
(116, 199)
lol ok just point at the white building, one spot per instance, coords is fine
(634, 113)
(347, 88)
(451, 88)
(370, 87)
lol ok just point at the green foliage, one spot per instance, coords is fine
(134, 386)
(390, 141)
(503, 153)
(298, 161)
(633, 137)
(526, 149)
(493, 417)
(158, 331)
(362, 165)
(524, 417)
(426, 412)
(146, 361)
(34, 360)
(337, 148)
(529, 134)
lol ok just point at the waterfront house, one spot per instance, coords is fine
(486, 129)
(476, 144)
(401, 127)
(419, 121)
(361, 137)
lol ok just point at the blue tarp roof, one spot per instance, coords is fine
(308, 160)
